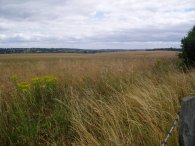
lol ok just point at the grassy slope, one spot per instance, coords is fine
(99, 99)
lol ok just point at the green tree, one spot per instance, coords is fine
(188, 47)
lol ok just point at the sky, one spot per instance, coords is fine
(95, 24)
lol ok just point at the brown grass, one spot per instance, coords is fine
(124, 98)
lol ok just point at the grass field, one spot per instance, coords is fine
(118, 99)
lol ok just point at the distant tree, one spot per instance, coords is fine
(188, 48)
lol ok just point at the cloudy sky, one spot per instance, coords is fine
(93, 24)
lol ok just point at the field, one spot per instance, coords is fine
(118, 99)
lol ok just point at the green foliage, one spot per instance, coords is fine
(180, 55)
(188, 48)
(34, 117)
(44, 89)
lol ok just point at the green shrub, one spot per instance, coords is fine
(44, 89)
(188, 47)
(33, 117)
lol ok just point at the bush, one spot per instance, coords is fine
(188, 48)
(33, 117)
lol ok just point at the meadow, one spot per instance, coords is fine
(116, 99)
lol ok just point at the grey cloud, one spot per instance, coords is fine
(93, 23)
(145, 35)
(3, 29)
(15, 13)
(23, 9)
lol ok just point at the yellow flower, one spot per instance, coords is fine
(23, 86)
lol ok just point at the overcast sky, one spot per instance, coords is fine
(95, 24)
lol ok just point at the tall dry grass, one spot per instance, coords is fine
(101, 99)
